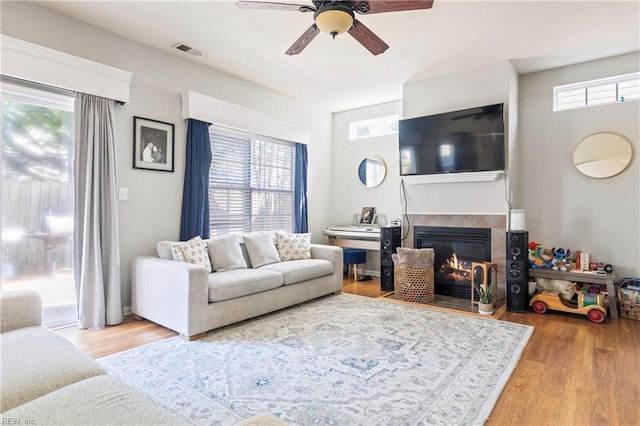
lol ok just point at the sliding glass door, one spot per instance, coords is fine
(37, 197)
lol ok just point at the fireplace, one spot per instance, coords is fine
(455, 250)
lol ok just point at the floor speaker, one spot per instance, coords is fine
(390, 240)
(517, 245)
(517, 271)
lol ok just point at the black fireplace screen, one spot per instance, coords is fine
(455, 249)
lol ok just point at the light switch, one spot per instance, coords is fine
(123, 193)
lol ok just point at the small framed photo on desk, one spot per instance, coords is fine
(367, 215)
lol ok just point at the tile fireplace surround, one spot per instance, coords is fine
(497, 223)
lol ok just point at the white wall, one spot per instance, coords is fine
(347, 155)
(153, 209)
(563, 207)
(485, 85)
(349, 194)
(489, 84)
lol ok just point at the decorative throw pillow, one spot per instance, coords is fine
(261, 249)
(226, 254)
(293, 246)
(415, 258)
(193, 251)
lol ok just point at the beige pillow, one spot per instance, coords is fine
(226, 254)
(261, 249)
(415, 258)
(165, 249)
(193, 251)
(293, 246)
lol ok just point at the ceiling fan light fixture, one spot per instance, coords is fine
(334, 20)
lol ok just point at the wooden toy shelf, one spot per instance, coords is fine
(583, 277)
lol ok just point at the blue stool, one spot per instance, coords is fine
(354, 258)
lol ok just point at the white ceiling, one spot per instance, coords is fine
(340, 74)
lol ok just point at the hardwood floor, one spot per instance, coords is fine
(572, 372)
(112, 339)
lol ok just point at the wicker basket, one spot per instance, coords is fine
(627, 310)
(413, 285)
(629, 299)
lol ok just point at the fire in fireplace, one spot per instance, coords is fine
(455, 250)
(456, 269)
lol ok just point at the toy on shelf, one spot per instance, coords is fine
(589, 302)
(538, 256)
(559, 261)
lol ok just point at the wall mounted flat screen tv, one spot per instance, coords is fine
(469, 140)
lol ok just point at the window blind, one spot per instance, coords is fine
(251, 183)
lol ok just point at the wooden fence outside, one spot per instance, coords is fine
(25, 208)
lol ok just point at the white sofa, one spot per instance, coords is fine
(47, 380)
(189, 299)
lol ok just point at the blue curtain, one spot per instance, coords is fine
(195, 196)
(300, 223)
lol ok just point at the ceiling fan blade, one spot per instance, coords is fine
(304, 40)
(367, 38)
(379, 6)
(274, 6)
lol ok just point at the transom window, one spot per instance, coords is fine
(622, 88)
(251, 182)
(374, 127)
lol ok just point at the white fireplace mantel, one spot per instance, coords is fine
(455, 177)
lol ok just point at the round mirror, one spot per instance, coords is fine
(372, 171)
(602, 155)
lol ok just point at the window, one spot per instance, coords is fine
(373, 127)
(37, 197)
(603, 91)
(251, 183)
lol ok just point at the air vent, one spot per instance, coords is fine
(187, 49)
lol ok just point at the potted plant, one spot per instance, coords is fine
(485, 303)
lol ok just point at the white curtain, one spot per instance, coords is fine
(97, 253)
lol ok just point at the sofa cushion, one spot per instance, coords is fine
(297, 271)
(164, 249)
(293, 246)
(102, 400)
(19, 309)
(241, 282)
(263, 419)
(226, 254)
(261, 248)
(28, 372)
(193, 251)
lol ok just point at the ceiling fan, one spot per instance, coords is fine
(338, 16)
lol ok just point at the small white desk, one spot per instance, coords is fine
(353, 243)
(360, 237)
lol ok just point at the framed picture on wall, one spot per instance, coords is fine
(153, 144)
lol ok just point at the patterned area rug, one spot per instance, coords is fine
(339, 360)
